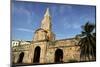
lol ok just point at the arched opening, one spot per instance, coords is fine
(20, 59)
(37, 55)
(59, 56)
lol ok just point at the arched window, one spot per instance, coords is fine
(58, 56)
(20, 59)
(36, 58)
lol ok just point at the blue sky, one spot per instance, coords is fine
(66, 19)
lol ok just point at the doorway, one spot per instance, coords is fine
(58, 56)
(37, 55)
(20, 59)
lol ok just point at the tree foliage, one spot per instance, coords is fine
(88, 42)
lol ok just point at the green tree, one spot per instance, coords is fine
(88, 42)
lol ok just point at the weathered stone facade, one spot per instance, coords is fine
(45, 49)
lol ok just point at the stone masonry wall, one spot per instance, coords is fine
(69, 47)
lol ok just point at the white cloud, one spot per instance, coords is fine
(25, 30)
(76, 26)
(72, 25)
(21, 10)
(61, 9)
(64, 7)
(68, 24)
(64, 36)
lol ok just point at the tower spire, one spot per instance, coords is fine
(46, 26)
(46, 22)
(47, 13)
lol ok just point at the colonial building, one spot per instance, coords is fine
(16, 43)
(45, 49)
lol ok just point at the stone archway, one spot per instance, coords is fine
(37, 55)
(58, 56)
(21, 56)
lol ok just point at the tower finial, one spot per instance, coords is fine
(47, 13)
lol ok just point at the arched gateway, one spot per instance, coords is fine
(21, 56)
(58, 56)
(37, 55)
